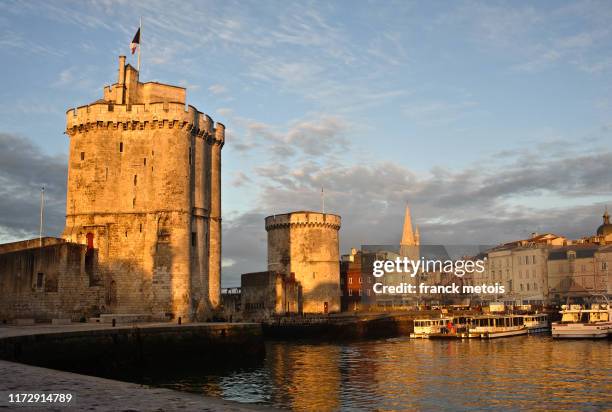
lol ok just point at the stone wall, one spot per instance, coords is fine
(264, 294)
(53, 281)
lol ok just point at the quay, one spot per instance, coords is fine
(344, 325)
(98, 394)
(104, 350)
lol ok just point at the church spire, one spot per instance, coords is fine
(408, 237)
(606, 217)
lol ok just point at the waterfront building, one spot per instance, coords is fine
(603, 268)
(547, 268)
(306, 245)
(352, 281)
(573, 273)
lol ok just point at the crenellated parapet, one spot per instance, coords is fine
(303, 219)
(107, 115)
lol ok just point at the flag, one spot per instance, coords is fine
(136, 41)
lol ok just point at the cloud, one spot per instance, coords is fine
(484, 204)
(536, 38)
(313, 137)
(438, 112)
(217, 89)
(24, 169)
(241, 179)
(12, 40)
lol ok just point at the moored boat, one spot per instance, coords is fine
(496, 326)
(425, 327)
(536, 322)
(456, 329)
(579, 322)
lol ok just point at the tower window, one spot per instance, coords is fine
(126, 233)
(141, 228)
(134, 202)
(135, 179)
(144, 161)
(82, 155)
(120, 147)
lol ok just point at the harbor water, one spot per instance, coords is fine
(519, 373)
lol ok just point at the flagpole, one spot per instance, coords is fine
(42, 208)
(139, 43)
(322, 200)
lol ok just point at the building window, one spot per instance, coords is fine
(140, 228)
(194, 238)
(120, 147)
(521, 287)
(82, 155)
(604, 265)
(350, 280)
(350, 292)
(40, 280)
(135, 179)
(359, 292)
(368, 292)
(134, 202)
(144, 161)
(360, 280)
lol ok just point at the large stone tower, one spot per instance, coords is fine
(144, 193)
(306, 244)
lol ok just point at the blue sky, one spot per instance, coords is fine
(491, 119)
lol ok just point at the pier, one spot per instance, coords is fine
(103, 349)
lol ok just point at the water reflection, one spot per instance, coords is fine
(400, 374)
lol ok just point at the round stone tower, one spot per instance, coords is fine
(306, 244)
(144, 193)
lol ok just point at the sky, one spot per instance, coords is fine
(491, 120)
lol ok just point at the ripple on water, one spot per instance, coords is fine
(401, 374)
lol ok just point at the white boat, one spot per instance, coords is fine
(425, 327)
(578, 322)
(537, 322)
(496, 326)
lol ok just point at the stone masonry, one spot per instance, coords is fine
(306, 244)
(144, 195)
